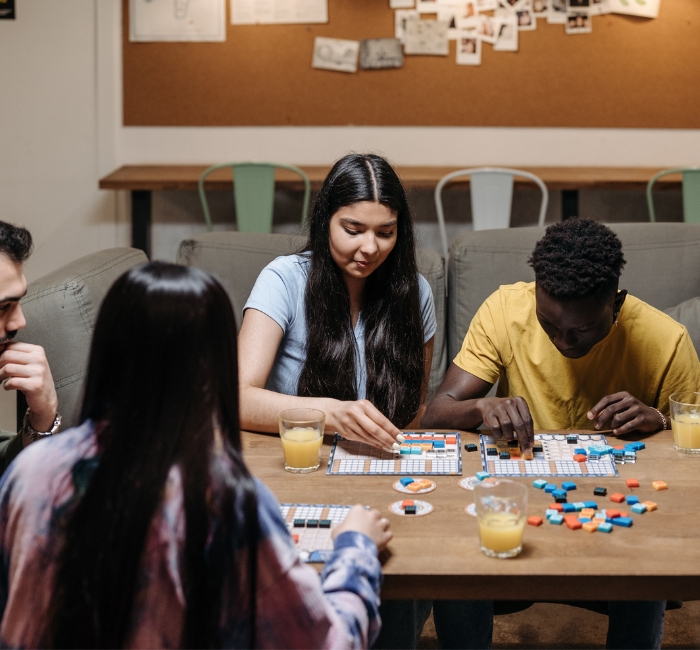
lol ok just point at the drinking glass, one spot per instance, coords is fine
(685, 421)
(500, 509)
(301, 431)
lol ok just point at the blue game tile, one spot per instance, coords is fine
(539, 483)
(550, 487)
(622, 521)
(590, 504)
(482, 475)
(568, 486)
(579, 505)
(407, 480)
(638, 508)
(568, 507)
(605, 527)
(557, 520)
(581, 450)
(559, 494)
(584, 520)
(631, 499)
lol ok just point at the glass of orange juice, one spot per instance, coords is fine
(301, 431)
(685, 421)
(500, 510)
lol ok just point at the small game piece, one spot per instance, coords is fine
(549, 512)
(504, 455)
(528, 455)
(482, 475)
(439, 444)
(598, 518)
(405, 449)
(590, 504)
(295, 539)
(572, 439)
(622, 521)
(623, 513)
(617, 497)
(539, 483)
(534, 520)
(537, 448)
(568, 486)
(491, 451)
(632, 483)
(600, 491)
(580, 458)
(407, 502)
(618, 448)
(572, 522)
(659, 485)
(513, 444)
(631, 499)
(579, 505)
(590, 526)
(556, 506)
(406, 480)
(638, 508)
(312, 523)
(650, 505)
(619, 456)
(588, 512)
(585, 520)
(470, 447)
(611, 514)
(410, 510)
(605, 527)
(630, 456)
(593, 457)
(299, 523)
(557, 520)
(550, 487)
(557, 494)
(324, 523)
(560, 499)
(580, 450)
(568, 507)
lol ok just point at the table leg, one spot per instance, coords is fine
(141, 220)
(569, 204)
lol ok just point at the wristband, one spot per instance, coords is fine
(663, 419)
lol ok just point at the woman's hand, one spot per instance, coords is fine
(368, 522)
(363, 422)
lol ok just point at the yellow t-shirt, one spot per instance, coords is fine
(647, 354)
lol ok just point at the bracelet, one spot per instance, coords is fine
(663, 419)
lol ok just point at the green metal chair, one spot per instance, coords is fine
(253, 194)
(691, 192)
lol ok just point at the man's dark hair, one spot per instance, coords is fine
(577, 258)
(15, 242)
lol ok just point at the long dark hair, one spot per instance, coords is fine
(390, 300)
(162, 389)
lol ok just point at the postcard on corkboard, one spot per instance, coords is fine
(335, 54)
(376, 53)
(428, 37)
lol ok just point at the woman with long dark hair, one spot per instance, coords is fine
(347, 325)
(143, 527)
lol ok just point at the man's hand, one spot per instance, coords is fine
(24, 367)
(506, 416)
(625, 413)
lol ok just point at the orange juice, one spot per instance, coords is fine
(501, 532)
(302, 449)
(686, 432)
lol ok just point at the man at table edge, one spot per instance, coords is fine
(571, 351)
(23, 366)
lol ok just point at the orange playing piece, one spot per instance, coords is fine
(632, 482)
(534, 520)
(659, 485)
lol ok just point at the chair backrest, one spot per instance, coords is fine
(691, 192)
(61, 309)
(663, 267)
(491, 198)
(253, 194)
(237, 259)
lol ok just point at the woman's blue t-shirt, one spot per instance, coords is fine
(279, 293)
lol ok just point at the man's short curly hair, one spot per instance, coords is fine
(577, 258)
(15, 242)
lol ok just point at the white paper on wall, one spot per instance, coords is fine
(335, 54)
(644, 8)
(402, 4)
(177, 20)
(269, 12)
(400, 18)
(426, 37)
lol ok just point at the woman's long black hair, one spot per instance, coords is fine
(390, 300)
(162, 390)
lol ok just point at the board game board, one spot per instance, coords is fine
(556, 457)
(421, 454)
(311, 526)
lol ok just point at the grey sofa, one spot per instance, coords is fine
(61, 309)
(236, 259)
(663, 269)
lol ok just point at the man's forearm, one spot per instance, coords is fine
(446, 412)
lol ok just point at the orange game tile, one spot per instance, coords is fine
(623, 513)
(414, 487)
(612, 513)
(589, 513)
(295, 539)
(659, 485)
(556, 506)
(650, 505)
(572, 522)
(590, 526)
(618, 447)
(534, 520)
(407, 502)
(580, 458)
(617, 497)
(632, 482)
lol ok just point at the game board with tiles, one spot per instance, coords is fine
(554, 455)
(420, 454)
(311, 525)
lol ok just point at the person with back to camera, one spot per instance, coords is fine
(143, 527)
(572, 351)
(346, 327)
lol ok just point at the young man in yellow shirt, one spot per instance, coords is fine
(571, 351)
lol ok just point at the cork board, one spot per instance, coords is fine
(629, 73)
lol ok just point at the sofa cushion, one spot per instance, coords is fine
(237, 258)
(663, 267)
(61, 309)
(688, 314)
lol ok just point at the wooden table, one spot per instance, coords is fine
(142, 180)
(437, 556)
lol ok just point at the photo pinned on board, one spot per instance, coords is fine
(513, 5)
(540, 8)
(578, 5)
(468, 15)
(379, 53)
(507, 40)
(556, 13)
(427, 6)
(526, 20)
(400, 18)
(578, 22)
(600, 7)
(487, 28)
(486, 5)
(335, 54)
(468, 48)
